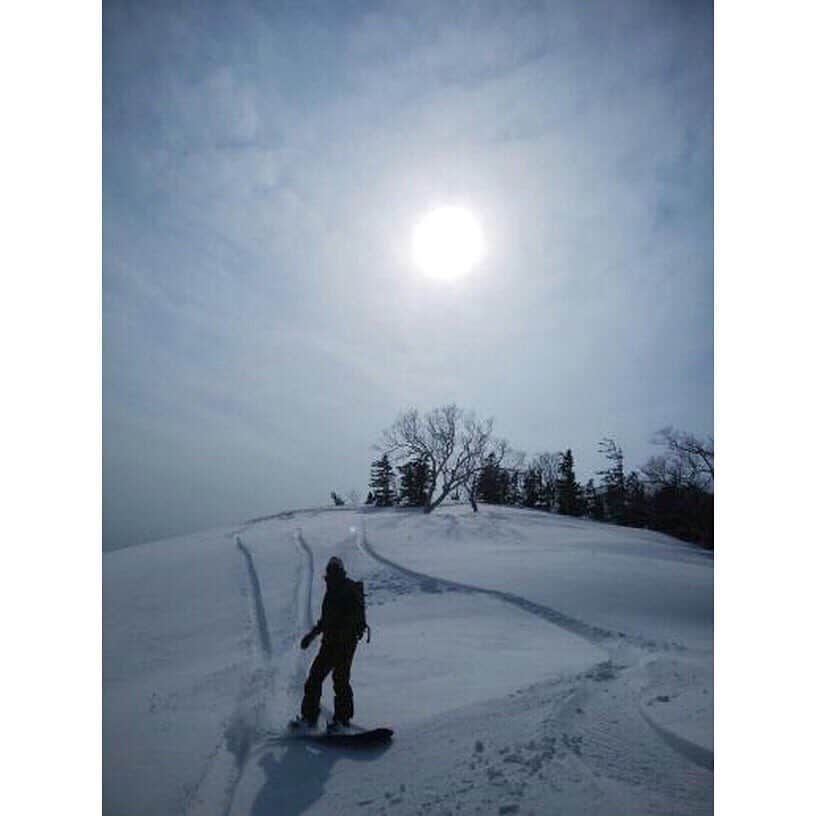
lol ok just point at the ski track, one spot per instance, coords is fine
(261, 624)
(698, 754)
(281, 700)
(596, 635)
(295, 658)
(601, 723)
(306, 605)
(225, 765)
(605, 733)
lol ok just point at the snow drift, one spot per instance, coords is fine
(528, 663)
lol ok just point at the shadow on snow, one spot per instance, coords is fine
(296, 773)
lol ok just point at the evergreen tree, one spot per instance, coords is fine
(382, 482)
(594, 502)
(514, 494)
(490, 485)
(567, 488)
(580, 500)
(532, 486)
(505, 488)
(637, 503)
(613, 481)
(414, 482)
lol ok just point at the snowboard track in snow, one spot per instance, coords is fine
(306, 606)
(698, 755)
(261, 624)
(277, 759)
(225, 764)
(594, 634)
(295, 665)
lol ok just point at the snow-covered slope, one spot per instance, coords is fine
(528, 663)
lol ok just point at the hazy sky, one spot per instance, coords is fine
(264, 166)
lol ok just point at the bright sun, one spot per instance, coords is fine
(447, 243)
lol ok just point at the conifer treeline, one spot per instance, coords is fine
(671, 493)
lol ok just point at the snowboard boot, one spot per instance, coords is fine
(337, 726)
(300, 722)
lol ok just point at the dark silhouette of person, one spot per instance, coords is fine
(341, 626)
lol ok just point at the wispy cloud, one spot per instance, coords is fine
(263, 170)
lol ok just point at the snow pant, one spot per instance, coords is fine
(335, 656)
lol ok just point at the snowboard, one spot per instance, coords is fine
(372, 736)
(357, 737)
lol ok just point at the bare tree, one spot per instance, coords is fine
(548, 464)
(453, 443)
(688, 461)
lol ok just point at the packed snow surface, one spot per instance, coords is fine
(527, 662)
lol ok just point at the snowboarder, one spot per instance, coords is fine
(342, 623)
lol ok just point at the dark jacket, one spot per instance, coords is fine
(338, 613)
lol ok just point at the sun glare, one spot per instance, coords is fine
(447, 243)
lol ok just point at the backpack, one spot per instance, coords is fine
(359, 625)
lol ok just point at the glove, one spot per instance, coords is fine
(307, 639)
